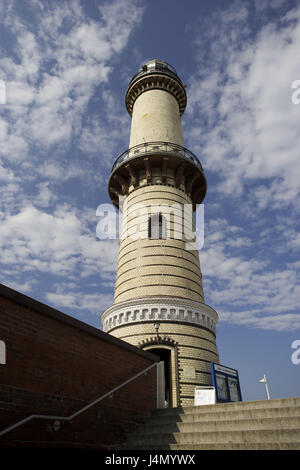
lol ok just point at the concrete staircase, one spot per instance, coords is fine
(253, 425)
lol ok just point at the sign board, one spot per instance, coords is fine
(226, 383)
(205, 396)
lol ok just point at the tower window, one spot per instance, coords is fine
(157, 226)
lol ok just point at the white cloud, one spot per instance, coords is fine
(259, 294)
(295, 241)
(58, 243)
(96, 139)
(13, 145)
(262, 5)
(45, 195)
(91, 303)
(60, 62)
(242, 122)
(21, 286)
(245, 95)
(54, 66)
(7, 175)
(60, 171)
(252, 319)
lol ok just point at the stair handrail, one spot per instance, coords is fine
(81, 410)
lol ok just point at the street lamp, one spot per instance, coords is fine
(264, 381)
(156, 326)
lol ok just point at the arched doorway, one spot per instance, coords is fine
(166, 349)
(165, 356)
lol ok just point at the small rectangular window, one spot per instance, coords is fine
(157, 227)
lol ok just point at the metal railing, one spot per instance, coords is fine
(154, 147)
(81, 410)
(154, 71)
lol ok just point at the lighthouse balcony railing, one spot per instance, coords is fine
(155, 147)
(153, 70)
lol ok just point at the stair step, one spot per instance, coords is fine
(219, 437)
(195, 416)
(221, 407)
(222, 446)
(264, 424)
(216, 425)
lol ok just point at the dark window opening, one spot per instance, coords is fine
(157, 227)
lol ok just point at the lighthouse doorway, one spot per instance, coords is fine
(165, 356)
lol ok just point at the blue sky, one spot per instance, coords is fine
(66, 66)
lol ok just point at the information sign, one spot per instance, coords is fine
(205, 396)
(226, 383)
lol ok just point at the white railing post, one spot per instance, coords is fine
(160, 385)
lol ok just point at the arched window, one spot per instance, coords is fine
(157, 226)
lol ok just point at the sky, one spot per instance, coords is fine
(64, 70)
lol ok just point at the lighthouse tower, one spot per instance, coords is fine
(157, 183)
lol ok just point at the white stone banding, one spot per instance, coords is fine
(167, 309)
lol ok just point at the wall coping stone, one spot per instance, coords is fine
(48, 311)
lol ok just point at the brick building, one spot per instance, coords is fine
(56, 365)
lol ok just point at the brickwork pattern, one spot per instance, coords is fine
(196, 348)
(157, 180)
(180, 270)
(55, 366)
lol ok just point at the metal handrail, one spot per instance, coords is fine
(81, 410)
(153, 147)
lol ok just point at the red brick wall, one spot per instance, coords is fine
(55, 365)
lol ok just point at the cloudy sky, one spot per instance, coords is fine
(66, 65)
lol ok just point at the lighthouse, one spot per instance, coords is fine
(158, 184)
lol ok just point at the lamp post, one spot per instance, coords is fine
(264, 380)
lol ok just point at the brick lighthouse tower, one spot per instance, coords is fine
(159, 303)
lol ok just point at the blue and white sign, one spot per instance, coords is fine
(226, 383)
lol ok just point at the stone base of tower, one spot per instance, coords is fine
(186, 343)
